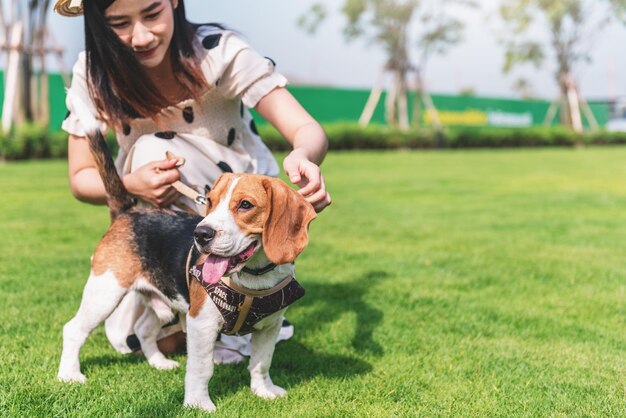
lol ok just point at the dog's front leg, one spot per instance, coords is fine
(263, 343)
(203, 327)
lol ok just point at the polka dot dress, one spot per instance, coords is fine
(216, 133)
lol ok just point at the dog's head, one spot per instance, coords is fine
(248, 212)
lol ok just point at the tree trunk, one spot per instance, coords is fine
(403, 107)
(44, 92)
(390, 104)
(565, 116)
(417, 100)
(570, 111)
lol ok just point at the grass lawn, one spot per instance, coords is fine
(465, 283)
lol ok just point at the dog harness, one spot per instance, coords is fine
(243, 308)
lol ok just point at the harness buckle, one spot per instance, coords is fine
(201, 200)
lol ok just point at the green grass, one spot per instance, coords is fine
(471, 283)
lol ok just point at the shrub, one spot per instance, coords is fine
(58, 144)
(34, 141)
(26, 141)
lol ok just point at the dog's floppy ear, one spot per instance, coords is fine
(286, 230)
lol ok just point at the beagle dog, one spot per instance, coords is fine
(254, 229)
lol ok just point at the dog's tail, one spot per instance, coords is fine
(118, 198)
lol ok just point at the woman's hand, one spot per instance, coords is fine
(309, 142)
(307, 175)
(152, 182)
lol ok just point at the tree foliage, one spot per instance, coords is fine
(572, 28)
(31, 16)
(409, 31)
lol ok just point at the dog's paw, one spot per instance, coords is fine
(206, 405)
(76, 377)
(268, 391)
(163, 364)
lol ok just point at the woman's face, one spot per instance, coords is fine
(146, 26)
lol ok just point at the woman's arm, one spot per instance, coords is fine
(309, 143)
(85, 181)
(151, 182)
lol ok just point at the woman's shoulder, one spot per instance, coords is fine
(219, 40)
(217, 47)
(80, 66)
(210, 27)
(211, 30)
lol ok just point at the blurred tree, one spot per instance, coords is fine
(524, 87)
(467, 91)
(403, 28)
(25, 37)
(572, 26)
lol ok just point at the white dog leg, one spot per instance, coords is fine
(263, 343)
(147, 329)
(101, 296)
(202, 333)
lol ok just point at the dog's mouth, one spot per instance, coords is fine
(215, 266)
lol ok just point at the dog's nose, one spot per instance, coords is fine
(203, 235)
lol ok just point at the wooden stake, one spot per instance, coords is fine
(431, 109)
(10, 91)
(58, 52)
(372, 101)
(554, 107)
(593, 123)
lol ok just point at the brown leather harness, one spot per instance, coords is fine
(243, 308)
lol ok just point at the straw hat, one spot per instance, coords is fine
(69, 8)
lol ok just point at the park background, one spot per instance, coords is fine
(474, 71)
(454, 279)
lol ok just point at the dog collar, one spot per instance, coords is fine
(261, 271)
(243, 308)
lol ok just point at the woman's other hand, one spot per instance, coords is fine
(309, 142)
(308, 177)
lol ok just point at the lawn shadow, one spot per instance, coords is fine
(330, 301)
(294, 364)
(95, 362)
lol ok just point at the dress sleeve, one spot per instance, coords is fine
(72, 123)
(237, 70)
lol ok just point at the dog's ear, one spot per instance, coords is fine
(286, 230)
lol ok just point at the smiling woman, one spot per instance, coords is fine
(147, 31)
(164, 85)
(133, 46)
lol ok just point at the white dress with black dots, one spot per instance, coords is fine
(214, 134)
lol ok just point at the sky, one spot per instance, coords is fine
(326, 58)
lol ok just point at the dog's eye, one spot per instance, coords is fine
(245, 205)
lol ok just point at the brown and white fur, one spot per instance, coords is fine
(145, 250)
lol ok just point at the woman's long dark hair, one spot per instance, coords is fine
(118, 83)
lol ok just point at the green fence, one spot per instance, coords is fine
(334, 104)
(330, 104)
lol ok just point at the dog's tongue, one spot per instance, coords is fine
(214, 268)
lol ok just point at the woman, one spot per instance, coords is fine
(164, 84)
